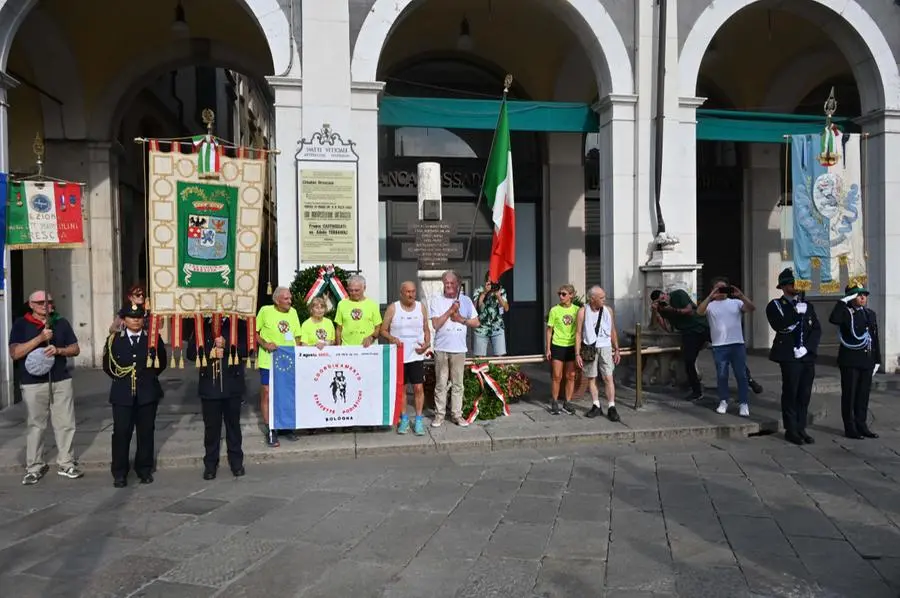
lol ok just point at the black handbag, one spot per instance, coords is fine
(589, 352)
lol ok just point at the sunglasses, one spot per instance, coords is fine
(563, 294)
(42, 302)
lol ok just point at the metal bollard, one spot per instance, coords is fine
(639, 367)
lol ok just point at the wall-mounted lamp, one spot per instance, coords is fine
(180, 27)
(464, 41)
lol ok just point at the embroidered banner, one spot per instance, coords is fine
(827, 210)
(336, 387)
(44, 215)
(206, 229)
(3, 191)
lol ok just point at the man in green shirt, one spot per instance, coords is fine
(358, 318)
(676, 310)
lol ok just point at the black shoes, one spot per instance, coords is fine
(612, 414)
(594, 411)
(793, 438)
(209, 474)
(807, 439)
(146, 479)
(755, 386)
(567, 407)
(120, 483)
(853, 435)
(554, 407)
(694, 396)
(238, 472)
(868, 433)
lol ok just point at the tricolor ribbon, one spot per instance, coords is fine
(209, 155)
(327, 277)
(481, 372)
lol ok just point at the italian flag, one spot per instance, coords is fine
(44, 214)
(498, 189)
(209, 155)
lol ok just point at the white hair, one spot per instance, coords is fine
(278, 291)
(594, 290)
(357, 279)
(449, 273)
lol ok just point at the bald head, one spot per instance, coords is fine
(407, 293)
(37, 303)
(597, 296)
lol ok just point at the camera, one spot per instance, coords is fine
(662, 303)
(727, 290)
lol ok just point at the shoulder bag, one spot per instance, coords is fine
(589, 352)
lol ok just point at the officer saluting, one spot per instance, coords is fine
(797, 336)
(859, 357)
(134, 394)
(221, 389)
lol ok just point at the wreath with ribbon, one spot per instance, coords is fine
(326, 281)
(489, 388)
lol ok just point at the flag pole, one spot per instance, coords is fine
(507, 83)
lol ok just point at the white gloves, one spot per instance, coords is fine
(849, 298)
(801, 308)
(875, 371)
(799, 352)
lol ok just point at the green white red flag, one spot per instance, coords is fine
(498, 189)
(208, 155)
(44, 214)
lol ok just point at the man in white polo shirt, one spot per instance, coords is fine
(452, 314)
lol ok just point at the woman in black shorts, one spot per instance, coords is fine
(561, 348)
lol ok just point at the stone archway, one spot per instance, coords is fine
(852, 29)
(588, 19)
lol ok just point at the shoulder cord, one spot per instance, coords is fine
(793, 326)
(117, 369)
(863, 342)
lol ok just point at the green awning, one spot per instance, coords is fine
(760, 127)
(562, 117)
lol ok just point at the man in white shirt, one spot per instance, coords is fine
(724, 309)
(452, 314)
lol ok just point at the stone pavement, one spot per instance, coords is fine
(731, 518)
(665, 415)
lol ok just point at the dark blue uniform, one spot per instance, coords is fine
(221, 388)
(134, 395)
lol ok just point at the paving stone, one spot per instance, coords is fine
(566, 577)
(518, 541)
(27, 586)
(245, 510)
(532, 509)
(495, 489)
(492, 577)
(579, 539)
(430, 576)
(577, 506)
(477, 513)
(716, 463)
(398, 539)
(80, 560)
(642, 498)
(599, 484)
(436, 496)
(557, 470)
(648, 526)
(119, 578)
(889, 568)
(293, 519)
(752, 534)
(168, 589)
(195, 506)
(456, 543)
(342, 528)
(353, 578)
(187, 541)
(639, 564)
(292, 568)
(221, 563)
(32, 523)
(711, 582)
(688, 494)
(24, 554)
(536, 487)
(804, 521)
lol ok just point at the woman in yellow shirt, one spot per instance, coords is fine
(317, 330)
(561, 348)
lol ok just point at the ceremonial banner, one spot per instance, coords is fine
(44, 215)
(3, 191)
(336, 387)
(827, 209)
(206, 227)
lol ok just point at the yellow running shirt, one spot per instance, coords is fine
(357, 319)
(279, 327)
(312, 332)
(562, 321)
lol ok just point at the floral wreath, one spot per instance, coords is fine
(326, 281)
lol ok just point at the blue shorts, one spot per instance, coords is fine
(264, 376)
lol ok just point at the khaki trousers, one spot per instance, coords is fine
(448, 367)
(60, 408)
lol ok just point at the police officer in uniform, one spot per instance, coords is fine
(134, 394)
(221, 388)
(859, 357)
(797, 336)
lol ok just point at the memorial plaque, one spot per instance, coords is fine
(432, 246)
(408, 251)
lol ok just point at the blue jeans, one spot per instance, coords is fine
(735, 356)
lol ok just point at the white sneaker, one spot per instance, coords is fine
(745, 410)
(436, 422)
(723, 407)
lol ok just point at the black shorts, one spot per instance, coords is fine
(414, 372)
(564, 354)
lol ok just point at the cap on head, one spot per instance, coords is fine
(132, 310)
(855, 289)
(785, 278)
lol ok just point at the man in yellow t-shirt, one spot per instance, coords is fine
(276, 326)
(358, 318)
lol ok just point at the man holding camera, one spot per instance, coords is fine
(491, 302)
(797, 336)
(725, 308)
(676, 310)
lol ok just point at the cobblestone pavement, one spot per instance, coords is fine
(732, 518)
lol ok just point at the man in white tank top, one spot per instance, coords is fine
(596, 326)
(406, 323)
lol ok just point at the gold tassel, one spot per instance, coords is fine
(198, 360)
(815, 262)
(844, 259)
(133, 383)
(149, 361)
(203, 358)
(156, 361)
(269, 288)
(181, 362)
(172, 361)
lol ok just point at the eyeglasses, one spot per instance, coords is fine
(42, 302)
(563, 294)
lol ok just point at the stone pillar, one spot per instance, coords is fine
(429, 179)
(86, 283)
(882, 220)
(625, 233)
(763, 191)
(326, 67)
(566, 221)
(364, 133)
(288, 132)
(6, 373)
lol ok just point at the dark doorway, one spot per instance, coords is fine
(720, 213)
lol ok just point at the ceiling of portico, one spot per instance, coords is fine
(759, 50)
(525, 38)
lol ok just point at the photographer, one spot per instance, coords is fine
(675, 310)
(491, 303)
(725, 307)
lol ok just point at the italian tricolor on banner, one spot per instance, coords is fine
(44, 214)
(209, 158)
(498, 189)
